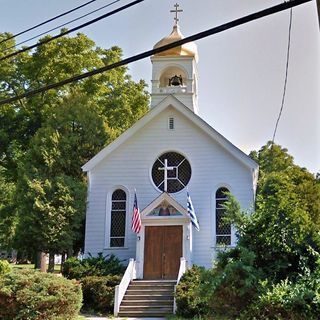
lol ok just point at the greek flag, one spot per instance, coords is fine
(192, 213)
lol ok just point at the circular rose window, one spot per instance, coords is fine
(172, 171)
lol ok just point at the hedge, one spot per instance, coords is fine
(31, 295)
(190, 302)
(98, 293)
(74, 268)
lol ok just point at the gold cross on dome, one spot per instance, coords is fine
(176, 10)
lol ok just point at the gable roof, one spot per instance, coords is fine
(171, 101)
(164, 197)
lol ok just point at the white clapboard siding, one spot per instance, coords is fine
(130, 166)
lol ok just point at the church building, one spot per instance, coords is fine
(167, 153)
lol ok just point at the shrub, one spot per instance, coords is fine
(74, 268)
(29, 294)
(233, 283)
(288, 300)
(4, 267)
(98, 293)
(189, 301)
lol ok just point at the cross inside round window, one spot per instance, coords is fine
(171, 172)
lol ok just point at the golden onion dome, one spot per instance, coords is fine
(188, 49)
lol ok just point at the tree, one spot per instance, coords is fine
(45, 139)
(8, 220)
(122, 101)
(284, 230)
(273, 272)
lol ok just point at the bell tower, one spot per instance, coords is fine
(175, 71)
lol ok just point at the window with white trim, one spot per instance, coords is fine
(223, 229)
(178, 172)
(118, 218)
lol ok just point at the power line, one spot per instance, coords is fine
(200, 35)
(74, 29)
(285, 78)
(47, 21)
(64, 24)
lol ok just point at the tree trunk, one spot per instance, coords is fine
(51, 262)
(70, 253)
(37, 260)
(63, 259)
(43, 262)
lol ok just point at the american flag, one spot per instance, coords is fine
(136, 219)
(192, 213)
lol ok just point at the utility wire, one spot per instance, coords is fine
(74, 29)
(200, 35)
(64, 24)
(285, 78)
(49, 20)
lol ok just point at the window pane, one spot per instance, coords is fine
(117, 242)
(118, 218)
(172, 173)
(223, 229)
(224, 240)
(219, 204)
(118, 205)
(221, 193)
(118, 222)
(174, 186)
(119, 195)
(157, 175)
(221, 226)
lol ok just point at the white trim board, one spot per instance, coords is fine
(171, 101)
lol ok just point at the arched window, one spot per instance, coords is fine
(118, 218)
(223, 229)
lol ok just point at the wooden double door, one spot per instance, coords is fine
(162, 252)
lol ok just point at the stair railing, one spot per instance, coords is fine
(122, 287)
(182, 270)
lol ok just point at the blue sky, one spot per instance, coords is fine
(241, 71)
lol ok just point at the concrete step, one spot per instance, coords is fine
(154, 282)
(138, 286)
(149, 292)
(159, 308)
(147, 302)
(149, 297)
(142, 314)
(145, 298)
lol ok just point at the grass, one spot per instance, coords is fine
(57, 267)
(22, 266)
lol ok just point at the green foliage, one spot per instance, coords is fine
(273, 272)
(54, 210)
(190, 301)
(46, 138)
(285, 225)
(4, 267)
(233, 283)
(98, 292)
(8, 219)
(74, 268)
(28, 294)
(288, 300)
